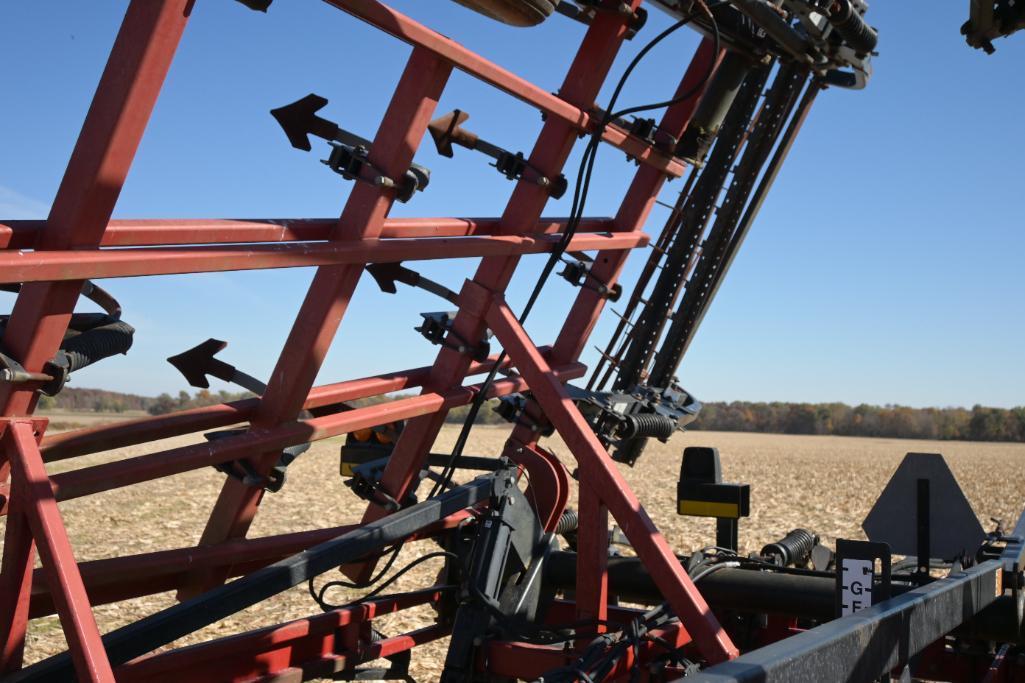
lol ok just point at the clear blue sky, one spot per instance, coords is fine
(885, 266)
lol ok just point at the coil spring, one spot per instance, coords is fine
(568, 522)
(852, 27)
(794, 548)
(647, 425)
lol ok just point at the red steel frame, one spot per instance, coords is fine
(79, 241)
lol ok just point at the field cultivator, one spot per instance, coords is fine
(530, 589)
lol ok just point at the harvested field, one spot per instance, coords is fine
(824, 483)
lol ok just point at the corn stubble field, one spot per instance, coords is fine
(823, 483)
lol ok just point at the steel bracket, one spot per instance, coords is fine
(437, 329)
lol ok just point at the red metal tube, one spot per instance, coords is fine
(15, 585)
(32, 487)
(52, 266)
(23, 234)
(124, 99)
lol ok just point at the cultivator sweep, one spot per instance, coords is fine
(529, 589)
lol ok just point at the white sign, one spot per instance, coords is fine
(856, 586)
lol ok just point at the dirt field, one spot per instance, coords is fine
(826, 484)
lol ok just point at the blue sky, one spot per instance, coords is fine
(884, 268)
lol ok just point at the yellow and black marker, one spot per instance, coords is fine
(701, 493)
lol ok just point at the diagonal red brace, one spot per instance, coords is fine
(36, 501)
(598, 473)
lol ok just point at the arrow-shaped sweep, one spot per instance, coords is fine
(299, 120)
(198, 362)
(387, 274)
(448, 130)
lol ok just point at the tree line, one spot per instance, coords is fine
(81, 400)
(979, 423)
(839, 419)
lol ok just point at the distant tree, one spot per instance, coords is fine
(162, 405)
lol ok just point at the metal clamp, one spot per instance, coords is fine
(352, 163)
(349, 152)
(244, 471)
(437, 329)
(578, 273)
(15, 373)
(513, 409)
(584, 11)
(447, 130)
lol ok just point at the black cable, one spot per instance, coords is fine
(601, 655)
(580, 192)
(318, 596)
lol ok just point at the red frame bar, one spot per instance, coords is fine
(55, 266)
(40, 514)
(23, 234)
(599, 474)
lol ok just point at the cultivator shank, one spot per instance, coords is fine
(530, 588)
